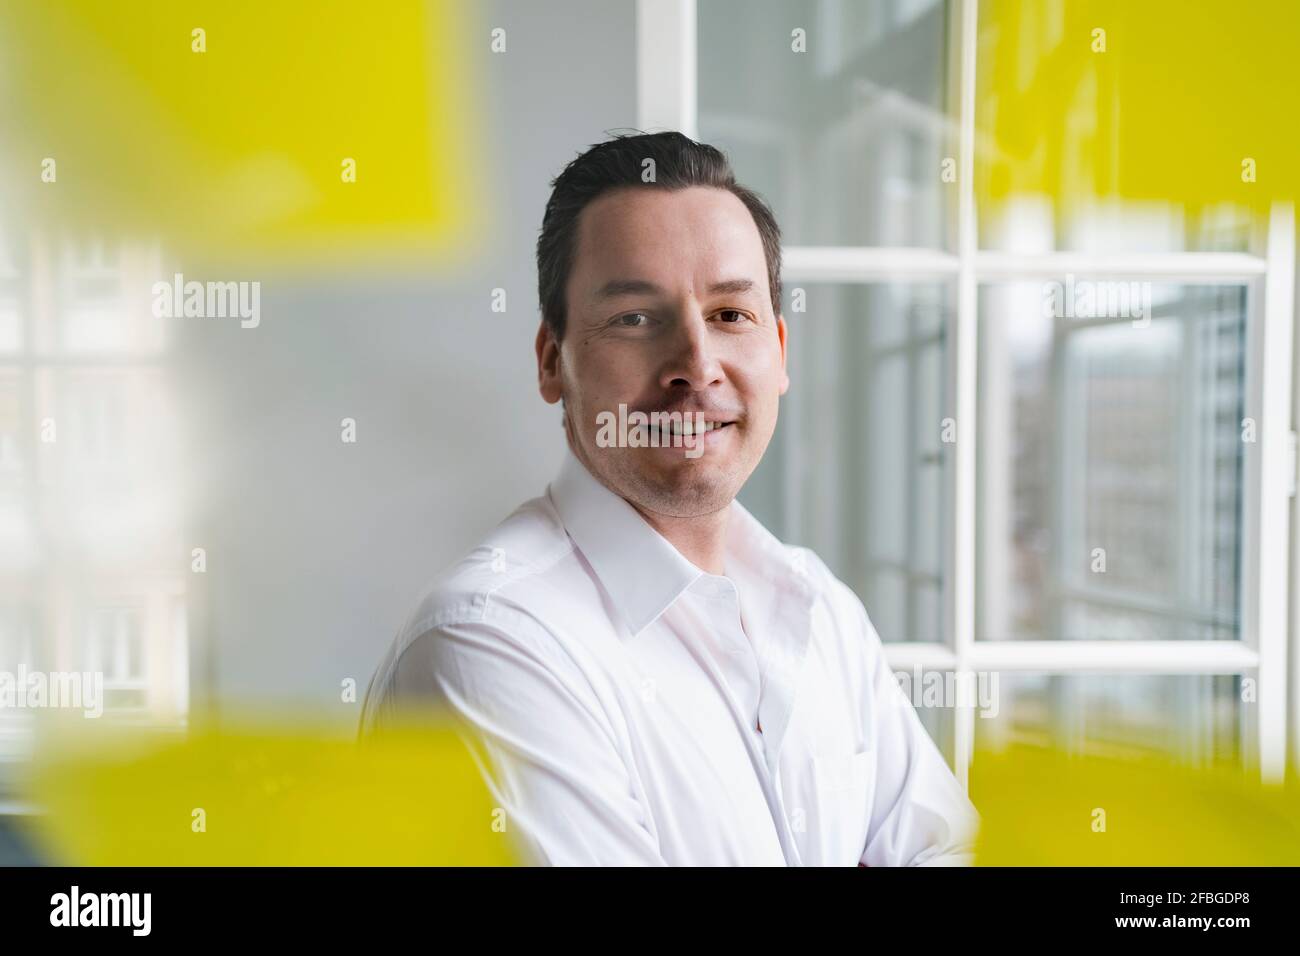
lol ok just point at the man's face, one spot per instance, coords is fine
(669, 311)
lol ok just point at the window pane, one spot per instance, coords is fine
(12, 293)
(104, 301)
(1195, 719)
(91, 530)
(938, 723)
(933, 694)
(1036, 224)
(18, 654)
(856, 470)
(1110, 465)
(845, 140)
(1085, 146)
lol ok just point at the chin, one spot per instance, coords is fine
(688, 489)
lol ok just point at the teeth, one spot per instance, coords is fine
(688, 428)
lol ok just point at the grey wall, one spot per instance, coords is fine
(317, 549)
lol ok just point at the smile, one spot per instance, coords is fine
(689, 427)
(637, 429)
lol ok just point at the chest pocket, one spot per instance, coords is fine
(837, 808)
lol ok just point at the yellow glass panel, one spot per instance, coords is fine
(266, 795)
(236, 141)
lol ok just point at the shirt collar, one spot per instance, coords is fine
(642, 572)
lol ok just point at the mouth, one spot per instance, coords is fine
(695, 438)
(688, 427)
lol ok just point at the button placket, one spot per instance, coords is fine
(756, 744)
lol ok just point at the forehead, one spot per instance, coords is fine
(669, 237)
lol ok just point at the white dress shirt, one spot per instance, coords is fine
(614, 692)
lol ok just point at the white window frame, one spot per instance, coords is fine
(667, 98)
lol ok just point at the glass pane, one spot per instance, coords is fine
(857, 461)
(19, 653)
(933, 695)
(1110, 463)
(90, 486)
(938, 723)
(847, 139)
(1089, 128)
(12, 293)
(1195, 719)
(1036, 224)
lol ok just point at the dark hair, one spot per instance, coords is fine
(679, 162)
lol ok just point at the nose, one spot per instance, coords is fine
(692, 361)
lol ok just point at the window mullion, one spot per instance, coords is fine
(1268, 513)
(963, 356)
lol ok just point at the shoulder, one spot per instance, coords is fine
(526, 545)
(835, 601)
(486, 604)
(829, 594)
(803, 570)
(506, 583)
(495, 646)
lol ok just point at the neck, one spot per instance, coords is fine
(701, 540)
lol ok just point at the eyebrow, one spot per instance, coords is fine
(616, 287)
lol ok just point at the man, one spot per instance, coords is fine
(647, 674)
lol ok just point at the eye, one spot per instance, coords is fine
(732, 316)
(632, 320)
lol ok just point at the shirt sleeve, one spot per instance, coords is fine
(544, 743)
(921, 815)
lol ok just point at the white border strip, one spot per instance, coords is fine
(1081, 657)
(665, 66)
(964, 357)
(867, 263)
(1200, 267)
(1273, 541)
(845, 264)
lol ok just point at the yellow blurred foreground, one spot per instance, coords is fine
(266, 795)
(1044, 808)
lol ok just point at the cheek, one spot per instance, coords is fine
(593, 385)
(762, 376)
(607, 376)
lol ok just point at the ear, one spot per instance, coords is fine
(780, 334)
(548, 365)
